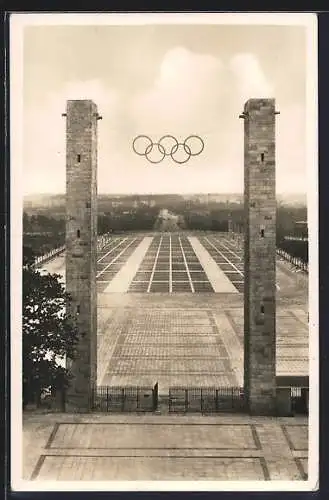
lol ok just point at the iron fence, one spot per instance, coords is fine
(125, 399)
(295, 261)
(206, 399)
(182, 399)
(102, 241)
(41, 259)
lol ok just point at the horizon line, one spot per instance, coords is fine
(148, 193)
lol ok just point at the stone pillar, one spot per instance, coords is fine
(81, 246)
(260, 256)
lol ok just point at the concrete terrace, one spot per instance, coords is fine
(102, 447)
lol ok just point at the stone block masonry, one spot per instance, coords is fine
(81, 245)
(260, 256)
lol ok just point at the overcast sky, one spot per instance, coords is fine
(163, 79)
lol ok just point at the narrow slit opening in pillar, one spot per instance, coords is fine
(78, 158)
(78, 233)
(262, 233)
(78, 309)
(262, 310)
(262, 157)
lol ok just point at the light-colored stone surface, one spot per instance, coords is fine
(176, 339)
(292, 286)
(171, 347)
(189, 346)
(297, 436)
(104, 447)
(217, 278)
(121, 281)
(95, 468)
(232, 345)
(122, 436)
(291, 339)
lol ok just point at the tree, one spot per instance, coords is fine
(49, 334)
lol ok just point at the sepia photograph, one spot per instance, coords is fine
(164, 252)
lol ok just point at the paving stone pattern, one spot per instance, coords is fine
(170, 265)
(170, 347)
(105, 448)
(292, 341)
(177, 339)
(201, 347)
(227, 258)
(113, 257)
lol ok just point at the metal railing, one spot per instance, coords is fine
(295, 261)
(41, 259)
(296, 238)
(48, 256)
(206, 399)
(125, 399)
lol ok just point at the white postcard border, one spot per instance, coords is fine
(18, 22)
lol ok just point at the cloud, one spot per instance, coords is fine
(192, 93)
(249, 77)
(198, 93)
(182, 97)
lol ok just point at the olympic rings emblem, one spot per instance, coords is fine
(168, 145)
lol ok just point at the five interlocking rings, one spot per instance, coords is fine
(168, 145)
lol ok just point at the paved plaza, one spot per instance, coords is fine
(179, 263)
(190, 345)
(104, 447)
(170, 310)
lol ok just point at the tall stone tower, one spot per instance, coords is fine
(260, 256)
(81, 245)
